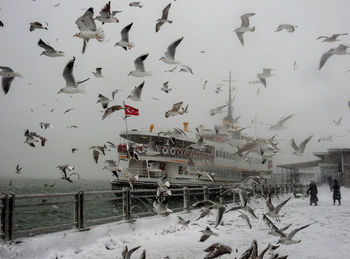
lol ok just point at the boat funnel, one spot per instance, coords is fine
(186, 127)
(151, 128)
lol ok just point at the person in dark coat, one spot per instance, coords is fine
(313, 193)
(336, 191)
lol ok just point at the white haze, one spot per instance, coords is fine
(317, 97)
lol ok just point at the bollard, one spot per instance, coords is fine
(221, 196)
(205, 193)
(126, 203)
(186, 197)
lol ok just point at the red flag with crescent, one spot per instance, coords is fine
(131, 110)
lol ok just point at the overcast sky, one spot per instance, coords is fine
(317, 97)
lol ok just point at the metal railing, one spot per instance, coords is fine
(126, 200)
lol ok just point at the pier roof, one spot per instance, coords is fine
(307, 164)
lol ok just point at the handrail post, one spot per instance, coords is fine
(186, 197)
(221, 196)
(205, 193)
(11, 216)
(4, 216)
(126, 203)
(79, 210)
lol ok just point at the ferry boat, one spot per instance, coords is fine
(225, 156)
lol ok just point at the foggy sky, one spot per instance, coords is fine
(317, 97)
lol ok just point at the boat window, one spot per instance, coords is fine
(181, 170)
(220, 153)
(217, 153)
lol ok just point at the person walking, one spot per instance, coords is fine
(313, 193)
(336, 191)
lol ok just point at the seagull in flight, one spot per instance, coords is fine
(280, 124)
(174, 111)
(49, 51)
(88, 29)
(140, 67)
(37, 25)
(332, 38)
(8, 75)
(64, 172)
(338, 122)
(244, 27)
(112, 109)
(136, 92)
(165, 87)
(124, 42)
(287, 27)
(284, 238)
(72, 87)
(299, 150)
(18, 170)
(164, 18)
(216, 110)
(273, 211)
(98, 72)
(170, 53)
(340, 50)
(106, 16)
(104, 101)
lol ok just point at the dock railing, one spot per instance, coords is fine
(121, 205)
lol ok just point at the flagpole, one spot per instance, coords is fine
(126, 128)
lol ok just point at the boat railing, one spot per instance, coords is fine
(28, 215)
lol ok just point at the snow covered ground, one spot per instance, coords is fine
(328, 237)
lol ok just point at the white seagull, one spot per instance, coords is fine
(140, 67)
(280, 124)
(98, 72)
(45, 125)
(72, 87)
(174, 111)
(299, 150)
(7, 77)
(165, 87)
(164, 18)
(49, 51)
(338, 122)
(103, 100)
(340, 50)
(124, 42)
(216, 110)
(332, 38)
(37, 25)
(244, 27)
(170, 53)
(136, 93)
(287, 27)
(87, 27)
(106, 16)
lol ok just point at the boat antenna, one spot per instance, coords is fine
(229, 117)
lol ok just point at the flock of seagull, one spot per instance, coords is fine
(244, 191)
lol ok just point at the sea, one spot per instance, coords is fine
(46, 214)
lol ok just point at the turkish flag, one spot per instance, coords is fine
(131, 110)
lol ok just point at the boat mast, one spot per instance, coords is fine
(229, 117)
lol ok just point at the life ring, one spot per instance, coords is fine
(187, 153)
(165, 150)
(124, 149)
(179, 152)
(207, 157)
(192, 154)
(158, 149)
(172, 151)
(202, 155)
